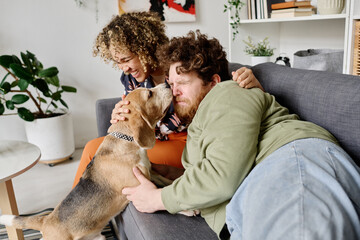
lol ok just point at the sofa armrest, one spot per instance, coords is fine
(103, 109)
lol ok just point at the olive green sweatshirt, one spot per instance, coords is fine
(233, 129)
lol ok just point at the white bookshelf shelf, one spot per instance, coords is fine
(293, 19)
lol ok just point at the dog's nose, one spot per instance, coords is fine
(167, 84)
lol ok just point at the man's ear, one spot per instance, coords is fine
(143, 134)
(215, 79)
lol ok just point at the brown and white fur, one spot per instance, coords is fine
(97, 198)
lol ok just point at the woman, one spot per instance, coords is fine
(130, 41)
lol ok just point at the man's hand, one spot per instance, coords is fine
(145, 197)
(246, 79)
(118, 110)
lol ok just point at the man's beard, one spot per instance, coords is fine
(187, 113)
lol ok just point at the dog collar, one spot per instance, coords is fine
(121, 136)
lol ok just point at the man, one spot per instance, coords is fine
(248, 161)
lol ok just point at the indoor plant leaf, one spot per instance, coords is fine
(49, 72)
(5, 88)
(2, 108)
(56, 96)
(6, 60)
(41, 85)
(26, 61)
(26, 114)
(14, 83)
(53, 80)
(42, 100)
(68, 89)
(64, 103)
(23, 84)
(19, 98)
(4, 78)
(20, 72)
(29, 71)
(10, 105)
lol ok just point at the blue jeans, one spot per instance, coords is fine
(307, 189)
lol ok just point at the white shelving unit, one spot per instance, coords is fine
(289, 35)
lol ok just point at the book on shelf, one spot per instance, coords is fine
(286, 10)
(291, 4)
(290, 14)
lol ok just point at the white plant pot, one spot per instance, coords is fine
(255, 60)
(330, 6)
(54, 136)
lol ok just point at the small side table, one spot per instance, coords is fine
(16, 157)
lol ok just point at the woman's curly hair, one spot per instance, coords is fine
(138, 32)
(196, 53)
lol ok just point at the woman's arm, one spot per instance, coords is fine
(246, 79)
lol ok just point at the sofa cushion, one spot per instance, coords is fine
(162, 226)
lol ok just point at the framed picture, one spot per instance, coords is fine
(169, 10)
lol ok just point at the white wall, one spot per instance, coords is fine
(62, 34)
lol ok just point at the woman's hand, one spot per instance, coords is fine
(118, 110)
(246, 79)
(145, 197)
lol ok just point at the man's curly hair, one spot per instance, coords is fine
(196, 53)
(138, 32)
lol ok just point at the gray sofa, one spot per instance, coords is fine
(328, 99)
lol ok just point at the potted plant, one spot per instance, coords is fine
(26, 79)
(234, 7)
(261, 51)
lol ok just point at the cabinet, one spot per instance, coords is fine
(292, 34)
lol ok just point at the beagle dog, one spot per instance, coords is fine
(97, 198)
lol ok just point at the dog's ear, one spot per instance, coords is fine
(143, 134)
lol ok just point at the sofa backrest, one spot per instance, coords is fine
(330, 100)
(103, 109)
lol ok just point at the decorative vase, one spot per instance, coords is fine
(330, 6)
(259, 59)
(54, 136)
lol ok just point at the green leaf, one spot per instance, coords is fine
(23, 84)
(64, 103)
(2, 108)
(6, 60)
(41, 100)
(41, 85)
(49, 72)
(16, 59)
(19, 98)
(30, 55)
(26, 114)
(68, 89)
(20, 72)
(53, 81)
(26, 61)
(54, 104)
(14, 83)
(3, 80)
(10, 105)
(37, 64)
(5, 88)
(56, 96)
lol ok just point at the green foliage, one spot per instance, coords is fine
(262, 48)
(28, 76)
(236, 6)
